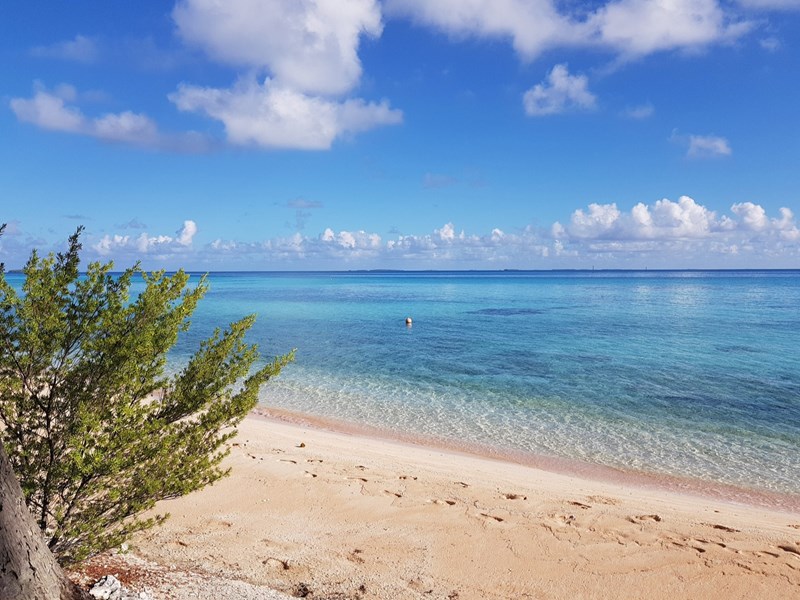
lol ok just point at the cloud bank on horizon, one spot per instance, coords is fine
(602, 234)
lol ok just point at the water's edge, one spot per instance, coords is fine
(698, 488)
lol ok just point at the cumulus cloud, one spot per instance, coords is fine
(49, 110)
(640, 27)
(708, 146)
(631, 28)
(310, 46)
(144, 243)
(560, 92)
(664, 220)
(273, 116)
(665, 233)
(301, 57)
(671, 231)
(81, 49)
(532, 26)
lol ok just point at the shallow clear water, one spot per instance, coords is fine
(682, 373)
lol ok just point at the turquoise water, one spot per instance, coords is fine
(680, 373)
(689, 374)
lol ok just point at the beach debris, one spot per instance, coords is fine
(109, 587)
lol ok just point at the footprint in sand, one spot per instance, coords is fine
(395, 494)
(361, 479)
(406, 477)
(286, 460)
(462, 484)
(722, 527)
(447, 502)
(583, 506)
(509, 496)
(276, 563)
(355, 557)
(309, 474)
(495, 518)
(603, 500)
(313, 460)
(790, 549)
(644, 518)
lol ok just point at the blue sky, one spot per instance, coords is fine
(432, 134)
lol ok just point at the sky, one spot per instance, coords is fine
(402, 134)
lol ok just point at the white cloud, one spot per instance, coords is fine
(708, 146)
(661, 234)
(664, 220)
(308, 50)
(532, 25)
(304, 51)
(560, 92)
(271, 116)
(752, 216)
(81, 49)
(629, 27)
(126, 127)
(680, 234)
(165, 245)
(310, 46)
(48, 110)
(641, 27)
(639, 113)
(770, 44)
(186, 233)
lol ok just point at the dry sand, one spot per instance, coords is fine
(323, 514)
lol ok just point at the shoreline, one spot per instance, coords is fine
(324, 514)
(700, 488)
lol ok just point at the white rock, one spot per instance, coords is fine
(108, 588)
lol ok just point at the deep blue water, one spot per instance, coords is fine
(683, 373)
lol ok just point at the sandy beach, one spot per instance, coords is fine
(323, 514)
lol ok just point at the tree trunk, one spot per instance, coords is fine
(28, 570)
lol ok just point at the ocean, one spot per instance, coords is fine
(689, 375)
